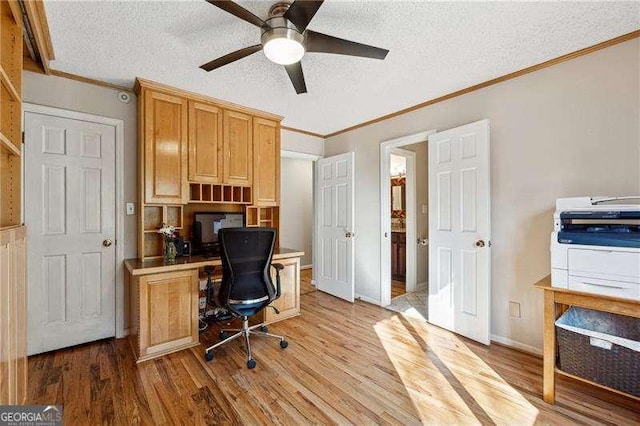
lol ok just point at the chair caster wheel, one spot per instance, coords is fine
(264, 329)
(223, 335)
(251, 364)
(284, 344)
(208, 356)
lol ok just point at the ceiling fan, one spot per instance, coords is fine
(285, 38)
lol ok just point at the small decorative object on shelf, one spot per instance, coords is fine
(169, 237)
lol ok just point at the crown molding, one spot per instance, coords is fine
(587, 50)
(304, 132)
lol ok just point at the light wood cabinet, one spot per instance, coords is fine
(13, 316)
(165, 148)
(289, 302)
(205, 143)
(266, 162)
(167, 312)
(238, 148)
(205, 152)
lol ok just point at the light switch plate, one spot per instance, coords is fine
(425, 209)
(131, 209)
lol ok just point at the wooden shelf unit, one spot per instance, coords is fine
(208, 193)
(556, 302)
(154, 215)
(10, 115)
(13, 262)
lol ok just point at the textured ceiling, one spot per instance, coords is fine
(435, 49)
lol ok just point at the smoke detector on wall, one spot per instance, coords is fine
(124, 97)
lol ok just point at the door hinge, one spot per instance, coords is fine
(22, 138)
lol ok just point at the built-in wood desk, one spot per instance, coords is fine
(556, 302)
(164, 300)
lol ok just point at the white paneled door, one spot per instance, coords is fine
(70, 214)
(335, 226)
(460, 231)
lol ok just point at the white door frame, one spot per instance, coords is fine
(313, 158)
(119, 172)
(386, 148)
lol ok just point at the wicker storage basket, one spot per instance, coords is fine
(601, 347)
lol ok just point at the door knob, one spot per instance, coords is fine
(480, 243)
(107, 242)
(349, 234)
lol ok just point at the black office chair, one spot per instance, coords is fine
(246, 287)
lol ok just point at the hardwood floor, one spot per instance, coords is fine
(305, 281)
(346, 363)
(398, 288)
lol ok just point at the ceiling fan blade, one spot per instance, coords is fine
(297, 77)
(231, 57)
(238, 11)
(301, 12)
(318, 42)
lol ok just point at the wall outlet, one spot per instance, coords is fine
(514, 309)
(131, 209)
(203, 285)
(425, 209)
(203, 302)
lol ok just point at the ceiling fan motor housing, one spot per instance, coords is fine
(280, 27)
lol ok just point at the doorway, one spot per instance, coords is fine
(458, 201)
(404, 225)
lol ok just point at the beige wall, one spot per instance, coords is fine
(299, 142)
(88, 98)
(422, 199)
(571, 129)
(296, 206)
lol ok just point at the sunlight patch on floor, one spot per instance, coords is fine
(446, 381)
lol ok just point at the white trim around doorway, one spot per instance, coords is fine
(386, 148)
(120, 211)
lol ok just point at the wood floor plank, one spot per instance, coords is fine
(345, 364)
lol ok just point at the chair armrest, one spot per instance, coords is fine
(278, 267)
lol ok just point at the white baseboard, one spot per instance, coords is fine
(368, 299)
(306, 267)
(516, 345)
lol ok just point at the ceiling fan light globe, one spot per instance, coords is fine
(283, 51)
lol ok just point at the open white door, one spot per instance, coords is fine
(334, 226)
(460, 231)
(70, 214)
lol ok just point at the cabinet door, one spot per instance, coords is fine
(205, 143)
(289, 302)
(266, 162)
(394, 255)
(168, 312)
(238, 148)
(402, 257)
(165, 148)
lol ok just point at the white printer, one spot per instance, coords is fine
(595, 246)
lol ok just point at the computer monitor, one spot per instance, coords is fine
(206, 226)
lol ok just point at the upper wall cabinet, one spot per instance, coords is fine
(238, 148)
(165, 148)
(266, 164)
(205, 143)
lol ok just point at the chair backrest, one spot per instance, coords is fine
(246, 255)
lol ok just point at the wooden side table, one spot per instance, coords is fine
(556, 302)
